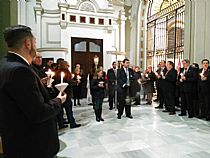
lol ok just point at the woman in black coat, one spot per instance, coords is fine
(98, 87)
(150, 79)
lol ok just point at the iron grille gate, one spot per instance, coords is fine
(165, 36)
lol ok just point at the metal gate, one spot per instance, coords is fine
(165, 35)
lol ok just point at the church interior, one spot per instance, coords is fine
(144, 31)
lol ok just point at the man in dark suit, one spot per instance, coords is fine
(125, 76)
(204, 86)
(161, 84)
(187, 78)
(27, 115)
(112, 75)
(170, 91)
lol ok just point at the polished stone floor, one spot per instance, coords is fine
(151, 134)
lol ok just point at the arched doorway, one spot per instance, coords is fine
(165, 31)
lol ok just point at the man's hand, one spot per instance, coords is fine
(183, 78)
(44, 80)
(62, 97)
(203, 78)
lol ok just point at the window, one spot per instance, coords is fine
(80, 47)
(94, 47)
(92, 20)
(110, 21)
(82, 19)
(63, 16)
(101, 21)
(72, 18)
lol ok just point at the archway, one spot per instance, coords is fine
(164, 36)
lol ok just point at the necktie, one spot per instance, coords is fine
(115, 72)
(127, 74)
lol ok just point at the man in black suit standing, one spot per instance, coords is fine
(204, 86)
(27, 115)
(161, 84)
(125, 76)
(112, 75)
(170, 83)
(187, 79)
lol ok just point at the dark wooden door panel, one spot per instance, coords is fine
(83, 51)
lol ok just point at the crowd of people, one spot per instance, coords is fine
(32, 108)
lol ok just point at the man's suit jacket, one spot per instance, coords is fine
(188, 85)
(170, 81)
(111, 78)
(27, 115)
(122, 80)
(204, 86)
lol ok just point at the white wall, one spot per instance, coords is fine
(50, 4)
(51, 32)
(54, 34)
(197, 32)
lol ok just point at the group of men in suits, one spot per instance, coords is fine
(189, 83)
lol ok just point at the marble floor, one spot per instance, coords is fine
(151, 134)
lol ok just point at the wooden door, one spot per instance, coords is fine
(83, 50)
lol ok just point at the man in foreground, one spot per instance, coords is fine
(27, 115)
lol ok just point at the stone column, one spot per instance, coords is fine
(122, 31)
(22, 12)
(38, 18)
(197, 33)
(30, 15)
(65, 39)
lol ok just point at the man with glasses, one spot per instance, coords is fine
(204, 86)
(27, 114)
(187, 79)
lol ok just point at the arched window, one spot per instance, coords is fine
(165, 31)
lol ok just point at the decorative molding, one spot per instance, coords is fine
(52, 49)
(63, 24)
(94, 3)
(85, 25)
(88, 7)
(167, 10)
(63, 5)
(47, 11)
(47, 33)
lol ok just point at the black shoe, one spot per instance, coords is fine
(110, 108)
(159, 107)
(190, 116)
(136, 103)
(207, 118)
(156, 100)
(165, 111)
(78, 104)
(148, 103)
(201, 117)
(64, 126)
(90, 104)
(182, 114)
(172, 113)
(101, 119)
(75, 126)
(97, 119)
(131, 117)
(119, 117)
(66, 122)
